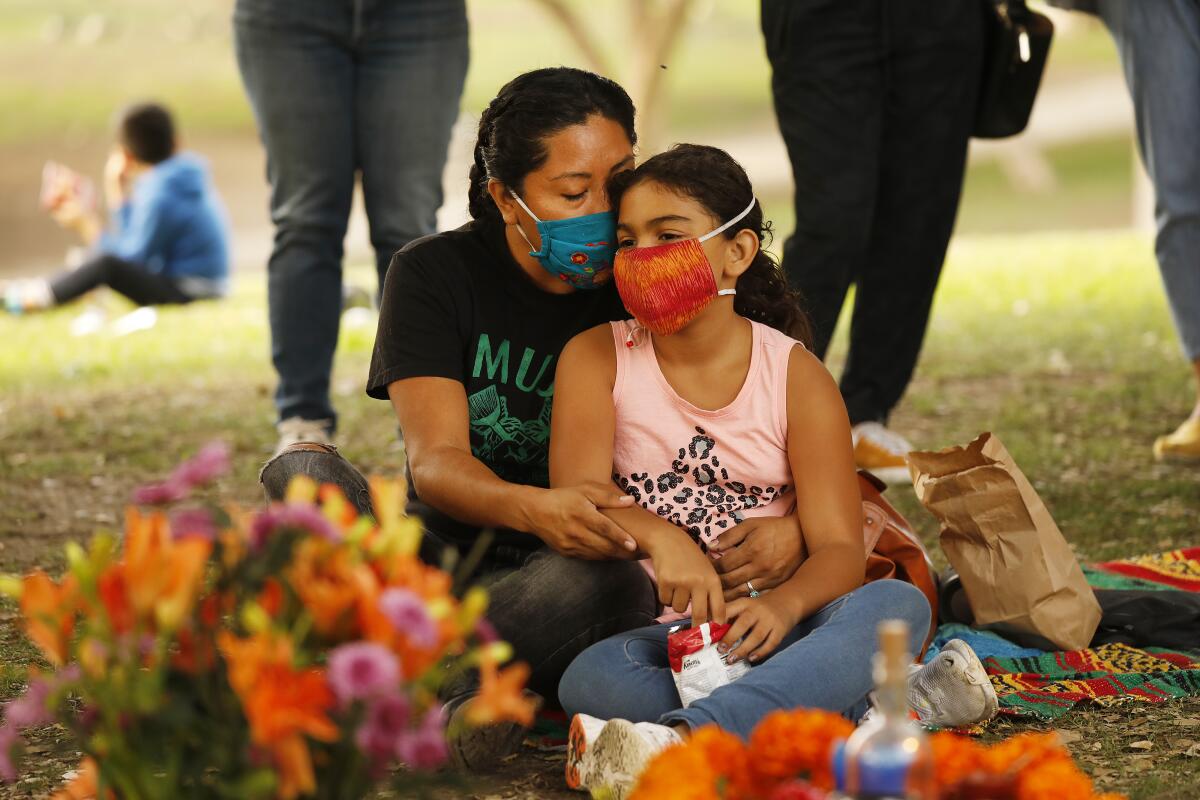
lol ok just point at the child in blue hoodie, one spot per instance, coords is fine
(167, 241)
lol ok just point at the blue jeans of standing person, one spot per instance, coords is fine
(340, 86)
(825, 662)
(1159, 43)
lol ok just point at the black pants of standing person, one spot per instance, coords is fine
(125, 277)
(875, 100)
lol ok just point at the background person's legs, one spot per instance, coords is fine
(1159, 44)
(298, 70)
(131, 280)
(412, 66)
(932, 75)
(827, 81)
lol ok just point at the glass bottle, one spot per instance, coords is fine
(888, 757)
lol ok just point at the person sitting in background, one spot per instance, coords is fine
(167, 241)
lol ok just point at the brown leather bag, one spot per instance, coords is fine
(893, 549)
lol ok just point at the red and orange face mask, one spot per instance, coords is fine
(667, 285)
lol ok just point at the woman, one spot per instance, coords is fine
(471, 327)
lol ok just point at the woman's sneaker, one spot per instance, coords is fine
(882, 452)
(618, 754)
(953, 689)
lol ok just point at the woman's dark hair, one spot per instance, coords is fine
(147, 131)
(713, 179)
(529, 108)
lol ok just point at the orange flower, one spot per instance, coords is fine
(295, 769)
(271, 597)
(1054, 780)
(787, 744)
(114, 596)
(330, 585)
(48, 609)
(284, 702)
(162, 576)
(85, 784)
(248, 658)
(501, 695)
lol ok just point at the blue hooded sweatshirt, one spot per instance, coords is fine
(173, 224)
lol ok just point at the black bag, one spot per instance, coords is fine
(1152, 618)
(1016, 42)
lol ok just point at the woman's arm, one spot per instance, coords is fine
(828, 505)
(434, 416)
(582, 429)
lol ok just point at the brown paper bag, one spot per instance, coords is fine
(1021, 578)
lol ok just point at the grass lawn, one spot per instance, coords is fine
(1059, 343)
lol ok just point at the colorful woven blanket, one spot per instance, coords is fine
(1046, 685)
(1177, 569)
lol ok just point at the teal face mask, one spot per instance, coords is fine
(579, 250)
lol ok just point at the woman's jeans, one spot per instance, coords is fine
(1159, 43)
(825, 662)
(339, 87)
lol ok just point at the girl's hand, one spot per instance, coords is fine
(761, 623)
(116, 179)
(764, 551)
(686, 575)
(569, 521)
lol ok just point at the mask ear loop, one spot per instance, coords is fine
(520, 230)
(723, 228)
(637, 335)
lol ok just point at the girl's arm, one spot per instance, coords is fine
(433, 414)
(582, 429)
(828, 505)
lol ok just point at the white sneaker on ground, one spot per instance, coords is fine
(953, 689)
(295, 429)
(618, 754)
(581, 739)
(882, 452)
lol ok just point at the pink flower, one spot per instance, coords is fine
(196, 522)
(281, 516)
(425, 748)
(486, 631)
(360, 670)
(31, 708)
(160, 494)
(8, 738)
(408, 615)
(387, 720)
(210, 463)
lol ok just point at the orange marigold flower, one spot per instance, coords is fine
(48, 609)
(730, 761)
(501, 695)
(954, 758)
(790, 744)
(1054, 780)
(680, 772)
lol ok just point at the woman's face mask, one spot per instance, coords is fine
(577, 250)
(667, 285)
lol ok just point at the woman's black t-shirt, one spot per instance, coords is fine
(456, 305)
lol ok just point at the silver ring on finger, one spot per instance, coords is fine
(753, 591)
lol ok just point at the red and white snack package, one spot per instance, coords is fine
(696, 664)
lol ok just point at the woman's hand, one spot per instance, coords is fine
(761, 623)
(116, 179)
(568, 520)
(685, 575)
(764, 551)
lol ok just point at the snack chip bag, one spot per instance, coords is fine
(696, 664)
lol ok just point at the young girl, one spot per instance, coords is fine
(717, 413)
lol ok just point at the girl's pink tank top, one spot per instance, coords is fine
(703, 470)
